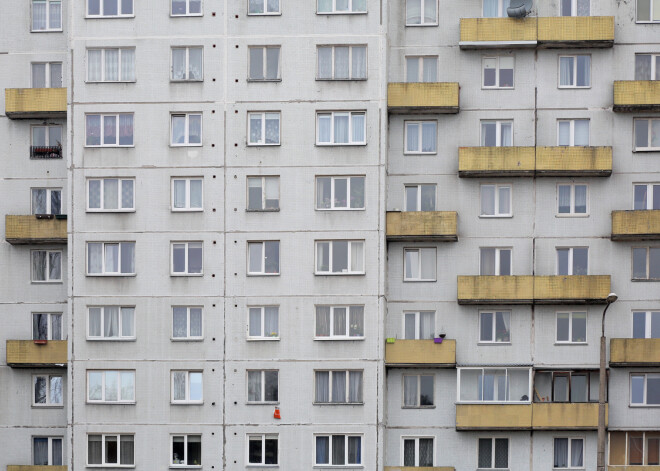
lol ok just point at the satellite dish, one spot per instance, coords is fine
(519, 8)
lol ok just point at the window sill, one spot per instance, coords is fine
(417, 407)
(263, 80)
(421, 25)
(329, 466)
(195, 15)
(46, 31)
(262, 339)
(132, 146)
(341, 13)
(643, 406)
(503, 403)
(178, 275)
(571, 343)
(56, 282)
(262, 274)
(113, 465)
(109, 81)
(187, 80)
(112, 211)
(486, 216)
(645, 280)
(490, 344)
(108, 17)
(341, 79)
(185, 339)
(262, 210)
(324, 144)
(338, 339)
(189, 466)
(110, 403)
(343, 274)
(572, 88)
(111, 275)
(250, 144)
(338, 403)
(186, 403)
(47, 406)
(279, 13)
(571, 215)
(200, 210)
(646, 149)
(413, 280)
(97, 339)
(498, 88)
(339, 209)
(262, 403)
(185, 145)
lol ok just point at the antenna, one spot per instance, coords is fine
(519, 8)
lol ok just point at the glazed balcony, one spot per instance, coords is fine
(636, 225)
(634, 352)
(566, 416)
(637, 95)
(33, 354)
(420, 353)
(573, 161)
(433, 97)
(493, 416)
(34, 229)
(422, 225)
(496, 161)
(24, 103)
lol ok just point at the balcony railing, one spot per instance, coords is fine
(421, 353)
(434, 97)
(536, 416)
(32, 229)
(634, 352)
(636, 225)
(422, 225)
(35, 103)
(28, 354)
(565, 416)
(46, 152)
(637, 95)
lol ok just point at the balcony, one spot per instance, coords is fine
(637, 95)
(636, 225)
(589, 289)
(436, 97)
(33, 229)
(421, 353)
(493, 416)
(23, 103)
(496, 161)
(28, 354)
(422, 225)
(546, 32)
(573, 161)
(45, 152)
(565, 416)
(418, 468)
(634, 352)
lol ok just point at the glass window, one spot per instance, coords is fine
(47, 326)
(573, 261)
(46, 15)
(495, 8)
(46, 142)
(342, 62)
(646, 196)
(495, 327)
(420, 264)
(574, 71)
(110, 450)
(186, 129)
(264, 129)
(648, 11)
(262, 449)
(420, 197)
(109, 8)
(341, 257)
(494, 384)
(186, 8)
(419, 325)
(187, 323)
(111, 258)
(496, 133)
(571, 327)
(339, 322)
(495, 261)
(263, 322)
(573, 132)
(338, 387)
(418, 391)
(575, 8)
(496, 200)
(186, 451)
(493, 453)
(47, 390)
(647, 134)
(263, 193)
(46, 266)
(187, 387)
(187, 258)
(644, 389)
(111, 65)
(647, 66)
(572, 200)
(646, 263)
(417, 451)
(110, 194)
(46, 200)
(646, 324)
(46, 74)
(341, 6)
(421, 12)
(341, 128)
(115, 130)
(264, 258)
(264, 63)
(338, 450)
(187, 63)
(421, 69)
(340, 192)
(498, 72)
(263, 7)
(111, 322)
(568, 453)
(47, 451)
(421, 137)
(110, 386)
(187, 194)
(262, 385)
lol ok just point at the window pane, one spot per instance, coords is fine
(566, 71)
(272, 63)
(359, 62)
(196, 194)
(426, 391)
(583, 71)
(643, 63)
(562, 326)
(110, 193)
(579, 327)
(110, 130)
(323, 192)
(325, 62)
(412, 137)
(127, 194)
(486, 327)
(341, 192)
(271, 393)
(93, 130)
(178, 258)
(341, 62)
(272, 257)
(485, 450)
(505, 262)
(487, 200)
(412, 68)
(195, 257)
(179, 193)
(430, 68)
(178, 62)
(580, 260)
(195, 386)
(641, 133)
(339, 256)
(562, 261)
(639, 263)
(490, 72)
(127, 386)
(270, 453)
(128, 257)
(428, 198)
(639, 325)
(502, 324)
(581, 130)
(272, 128)
(488, 134)
(428, 137)
(580, 199)
(501, 453)
(357, 192)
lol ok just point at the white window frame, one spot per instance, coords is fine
(655, 57)
(418, 396)
(187, 49)
(346, 437)
(48, 389)
(494, 312)
(498, 124)
(418, 203)
(349, 260)
(332, 335)
(49, 192)
(262, 393)
(103, 267)
(497, 187)
(49, 334)
(263, 437)
(350, 62)
(185, 450)
(574, 13)
(187, 207)
(572, 131)
(47, 72)
(103, 464)
(262, 320)
(570, 259)
(497, 85)
(347, 373)
(263, 258)
(187, 13)
(264, 64)
(47, 136)
(119, 11)
(501, 10)
(575, 72)
(265, 8)
(187, 399)
(186, 136)
(120, 182)
(572, 206)
(420, 250)
(650, 134)
(422, 22)
(264, 195)
(416, 439)
(651, 14)
(120, 327)
(420, 124)
(334, 11)
(648, 263)
(492, 452)
(501, 368)
(50, 449)
(497, 259)
(188, 336)
(119, 61)
(48, 27)
(646, 376)
(333, 179)
(332, 114)
(648, 315)
(418, 334)
(47, 269)
(262, 139)
(649, 195)
(570, 328)
(103, 400)
(186, 244)
(102, 117)
(420, 66)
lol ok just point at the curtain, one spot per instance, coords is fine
(425, 452)
(56, 327)
(56, 444)
(111, 385)
(110, 130)
(254, 386)
(323, 257)
(487, 261)
(643, 64)
(561, 453)
(503, 327)
(39, 75)
(55, 75)
(128, 65)
(40, 389)
(111, 65)
(430, 72)
(111, 321)
(255, 128)
(426, 325)
(410, 392)
(39, 15)
(430, 13)
(125, 129)
(195, 129)
(581, 199)
(412, 69)
(94, 320)
(128, 257)
(40, 447)
(357, 256)
(39, 265)
(412, 263)
(93, 130)
(56, 390)
(428, 263)
(428, 137)
(127, 194)
(127, 381)
(354, 450)
(322, 379)
(322, 450)
(564, 133)
(490, 9)
(195, 63)
(325, 62)
(39, 136)
(357, 192)
(412, 137)
(195, 322)
(324, 126)
(55, 202)
(271, 385)
(271, 321)
(355, 386)
(488, 134)
(178, 63)
(564, 199)
(583, 7)
(255, 255)
(111, 258)
(341, 192)
(566, 71)
(409, 325)
(196, 193)
(339, 321)
(110, 193)
(178, 129)
(39, 205)
(322, 321)
(55, 263)
(179, 385)
(40, 326)
(94, 447)
(127, 321)
(356, 321)
(358, 127)
(506, 131)
(655, 133)
(359, 62)
(338, 386)
(413, 12)
(583, 71)
(272, 128)
(427, 198)
(338, 450)
(505, 199)
(341, 128)
(179, 322)
(272, 63)
(488, 200)
(94, 386)
(341, 62)
(195, 257)
(409, 453)
(126, 449)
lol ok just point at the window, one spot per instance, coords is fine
(186, 8)
(648, 11)
(342, 62)
(111, 386)
(46, 266)
(186, 386)
(111, 323)
(574, 71)
(263, 322)
(634, 448)
(420, 264)
(186, 129)
(569, 447)
(571, 327)
(264, 63)
(572, 200)
(187, 63)
(495, 8)
(647, 134)
(573, 132)
(573, 261)
(338, 450)
(646, 263)
(187, 323)
(47, 451)
(342, 257)
(46, 74)
(46, 15)
(46, 200)
(495, 327)
(421, 137)
(264, 258)
(493, 453)
(110, 450)
(46, 142)
(646, 325)
(495, 261)
(421, 12)
(644, 389)
(419, 325)
(111, 65)
(496, 200)
(187, 258)
(263, 193)
(341, 6)
(110, 194)
(47, 390)
(420, 197)
(575, 8)
(566, 386)
(186, 451)
(116, 131)
(646, 196)
(422, 69)
(494, 384)
(647, 66)
(187, 194)
(418, 392)
(339, 322)
(338, 387)
(46, 326)
(111, 258)
(109, 8)
(262, 449)
(496, 133)
(341, 128)
(341, 192)
(263, 385)
(264, 129)
(498, 72)
(417, 451)
(263, 7)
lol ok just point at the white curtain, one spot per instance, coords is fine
(179, 193)
(271, 321)
(322, 321)
(95, 383)
(425, 452)
(257, 63)
(643, 63)
(178, 129)
(40, 326)
(564, 133)
(254, 386)
(566, 65)
(506, 130)
(354, 386)
(127, 194)
(429, 134)
(409, 453)
(357, 256)
(94, 258)
(195, 65)
(272, 63)
(111, 258)
(195, 129)
(255, 322)
(412, 263)
(410, 393)
(94, 321)
(561, 453)
(488, 134)
(576, 452)
(128, 65)
(413, 12)
(430, 69)
(39, 14)
(325, 126)
(338, 386)
(358, 126)
(487, 261)
(505, 200)
(179, 385)
(323, 256)
(56, 390)
(339, 321)
(356, 321)
(430, 13)
(655, 132)
(272, 128)
(179, 322)
(412, 137)
(39, 203)
(40, 450)
(126, 450)
(359, 62)
(322, 386)
(583, 7)
(94, 66)
(195, 193)
(38, 75)
(583, 71)
(56, 327)
(341, 62)
(178, 63)
(111, 65)
(580, 198)
(55, 18)
(490, 9)
(412, 69)
(39, 265)
(111, 385)
(487, 200)
(322, 450)
(55, 262)
(325, 62)
(426, 325)
(503, 326)
(94, 449)
(125, 129)
(341, 128)
(110, 193)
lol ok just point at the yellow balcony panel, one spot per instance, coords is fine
(422, 225)
(25, 353)
(30, 230)
(576, 31)
(493, 416)
(421, 353)
(12, 467)
(35, 103)
(495, 290)
(565, 416)
(584, 289)
(418, 468)
(496, 161)
(637, 95)
(483, 33)
(574, 161)
(633, 468)
(434, 97)
(634, 352)
(636, 225)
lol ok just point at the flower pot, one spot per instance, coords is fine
(391, 340)
(40, 342)
(437, 340)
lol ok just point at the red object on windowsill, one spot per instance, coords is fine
(40, 342)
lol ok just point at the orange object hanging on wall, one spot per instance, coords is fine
(277, 413)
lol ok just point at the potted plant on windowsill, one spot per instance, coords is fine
(40, 341)
(439, 338)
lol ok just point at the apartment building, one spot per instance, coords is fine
(351, 234)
